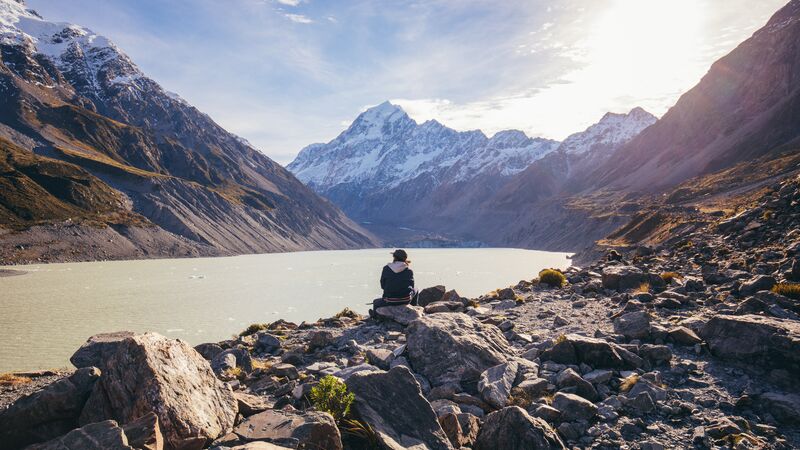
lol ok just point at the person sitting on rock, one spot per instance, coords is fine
(397, 282)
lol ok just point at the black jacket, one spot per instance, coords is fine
(397, 284)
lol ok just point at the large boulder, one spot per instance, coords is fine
(763, 340)
(98, 348)
(306, 430)
(783, 407)
(106, 435)
(402, 314)
(149, 372)
(512, 428)
(454, 348)
(393, 405)
(573, 407)
(47, 413)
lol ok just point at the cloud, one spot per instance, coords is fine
(289, 2)
(298, 18)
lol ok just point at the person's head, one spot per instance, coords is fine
(400, 255)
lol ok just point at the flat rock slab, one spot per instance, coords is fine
(98, 348)
(308, 430)
(403, 314)
(393, 405)
(765, 340)
(454, 348)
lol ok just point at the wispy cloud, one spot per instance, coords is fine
(548, 67)
(298, 18)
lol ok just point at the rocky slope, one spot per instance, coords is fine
(692, 343)
(390, 172)
(175, 175)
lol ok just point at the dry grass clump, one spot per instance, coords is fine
(261, 364)
(9, 379)
(474, 303)
(628, 383)
(233, 373)
(552, 278)
(669, 276)
(643, 288)
(791, 290)
(347, 312)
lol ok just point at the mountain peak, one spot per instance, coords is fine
(381, 113)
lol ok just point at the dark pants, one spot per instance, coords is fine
(380, 302)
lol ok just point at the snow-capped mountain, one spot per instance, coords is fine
(384, 148)
(610, 132)
(386, 169)
(172, 180)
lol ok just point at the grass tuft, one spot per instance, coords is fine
(9, 379)
(628, 383)
(669, 276)
(347, 312)
(643, 288)
(552, 278)
(253, 329)
(791, 290)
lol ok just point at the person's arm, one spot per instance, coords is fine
(383, 277)
(411, 278)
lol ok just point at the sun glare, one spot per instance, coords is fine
(639, 47)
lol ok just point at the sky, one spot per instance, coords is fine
(287, 73)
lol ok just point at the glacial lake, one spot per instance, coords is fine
(47, 313)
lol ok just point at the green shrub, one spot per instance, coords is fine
(254, 328)
(331, 396)
(791, 290)
(552, 277)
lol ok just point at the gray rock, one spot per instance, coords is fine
(106, 435)
(149, 372)
(393, 405)
(683, 336)
(454, 348)
(403, 314)
(285, 370)
(598, 376)
(309, 430)
(655, 353)
(532, 388)
(622, 278)
(208, 350)
(347, 372)
(633, 325)
(570, 378)
(573, 407)
(144, 433)
(49, 412)
(440, 307)
(98, 348)
(547, 413)
(430, 295)
(597, 353)
(320, 339)
(461, 429)
(512, 428)
(783, 407)
(758, 283)
(496, 382)
(267, 342)
(231, 359)
(380, 357)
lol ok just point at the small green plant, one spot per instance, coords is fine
(791, 290)
(552, 278)
(669, 276)
(253, 329)
(331, 396)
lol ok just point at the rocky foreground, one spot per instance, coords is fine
(694, 344)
